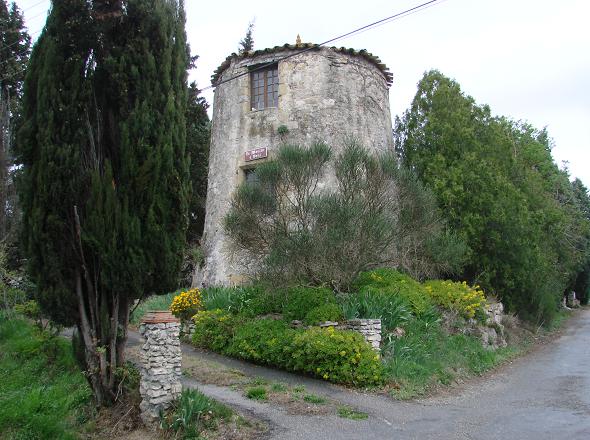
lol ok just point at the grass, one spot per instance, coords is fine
(256, 393)
(154, 302)
(349, 413)
(427, 357)
(43, 395)
(278, 387)
(193, 413)
(312, 398)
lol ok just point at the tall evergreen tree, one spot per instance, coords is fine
(105, 177)
(15, 45)
(500, 189)
(198, 134)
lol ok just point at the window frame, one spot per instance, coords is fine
(261, 80)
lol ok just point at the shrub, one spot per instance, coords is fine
(334, 355)
(337, 355)
(29, 309)
(213, 329)
(467, 301)
(256, 300)
(301, 300)
(262, 340)
(300, 231)
(394, 311)
(325, 312)
(392, 282)
(186, 304)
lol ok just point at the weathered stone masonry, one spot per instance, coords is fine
(160, 364)
(327, 94)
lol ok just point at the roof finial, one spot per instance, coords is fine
(298, 41)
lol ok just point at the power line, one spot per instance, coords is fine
(33, 6)
(359, 30)
(348, 34)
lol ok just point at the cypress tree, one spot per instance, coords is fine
(105, 177)
(198, 130)
(15, 45)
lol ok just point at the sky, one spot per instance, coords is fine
(527, 59)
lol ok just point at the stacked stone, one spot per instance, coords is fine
(161, 359)
(369, 328)
(494, 312)
(491, 333)
(187, 329)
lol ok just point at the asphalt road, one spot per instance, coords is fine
(544, 395)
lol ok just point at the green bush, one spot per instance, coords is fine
(392, 282)
(29, 309)
(334, 355)
(257, 300)
(325, 312)
(262, 340)
(301, 300)
(213, 329)
(468, 301)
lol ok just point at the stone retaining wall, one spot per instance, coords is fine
(369, 328)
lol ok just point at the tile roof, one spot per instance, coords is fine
(305, 46)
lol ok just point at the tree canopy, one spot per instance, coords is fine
(15, 45)
(500, 189)
(105, 173)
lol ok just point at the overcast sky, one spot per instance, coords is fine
(528, 59)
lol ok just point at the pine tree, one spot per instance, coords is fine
(105, 176)
(247, 43)
(15, 45)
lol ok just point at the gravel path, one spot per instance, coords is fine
(544, 395)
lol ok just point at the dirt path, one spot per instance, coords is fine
(545, 395)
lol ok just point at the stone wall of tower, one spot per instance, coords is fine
(323, 95)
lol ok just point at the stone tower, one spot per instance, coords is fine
(318, 93)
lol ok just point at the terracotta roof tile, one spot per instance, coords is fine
(309, 46)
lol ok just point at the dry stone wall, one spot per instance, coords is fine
(369, 328)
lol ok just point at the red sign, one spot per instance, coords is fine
(259, 153)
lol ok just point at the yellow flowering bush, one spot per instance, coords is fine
(390, 282)
(186, 304)
(468, 301)
(213, 329)
(339, 356)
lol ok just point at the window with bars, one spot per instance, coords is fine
(265, 88)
